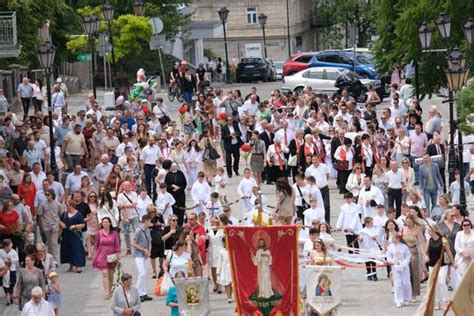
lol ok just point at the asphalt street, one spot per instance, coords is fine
(83, 293)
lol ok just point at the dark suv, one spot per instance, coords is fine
(251, 69)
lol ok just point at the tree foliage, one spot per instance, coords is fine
(397, 25)
(334, 17)
(465, 105)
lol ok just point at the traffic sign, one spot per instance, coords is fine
(84, 57)
(156, 24)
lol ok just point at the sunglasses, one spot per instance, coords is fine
(173, 220)
(405, 162)
(47, 194)
(93, 196)
(466, 225)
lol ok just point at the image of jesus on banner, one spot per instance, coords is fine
(263, 261)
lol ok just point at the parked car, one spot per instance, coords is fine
(322, 80)
(364, 65)
(279, 69)
(271, 64)
(297, 62)
(251, 69)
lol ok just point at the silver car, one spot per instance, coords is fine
(320, 79)
(279, 69)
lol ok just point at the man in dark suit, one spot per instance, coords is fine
(231, 136)
(430, 181)
(435, 149)
(268, 137)
(335, 143)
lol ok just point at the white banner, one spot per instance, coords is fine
(193, 296)
(323, 288)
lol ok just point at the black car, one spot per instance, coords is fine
(252, 69)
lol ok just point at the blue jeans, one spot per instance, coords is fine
(188, 97)
(133, 224)
(431, 198)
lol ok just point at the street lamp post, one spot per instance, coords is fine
(262, 18)
(139, 8)
(108, 10)
(288, 27)
(456, 76)
(223, 15)
(46, 54)
(91, 25)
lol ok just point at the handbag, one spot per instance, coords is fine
(135, 313)
(112, 258)
(165, 119)
(342, 165)
(292, 161)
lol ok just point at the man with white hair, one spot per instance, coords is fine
(434, 123)
(103, 169)
(63, 87)
(37, 306)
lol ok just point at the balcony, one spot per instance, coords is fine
(9, 46)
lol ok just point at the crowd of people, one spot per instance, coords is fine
(161, 182)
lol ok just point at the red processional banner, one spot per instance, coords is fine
(264, 264)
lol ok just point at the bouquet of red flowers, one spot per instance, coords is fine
(222, 117)
(182, 111)
(245, 151)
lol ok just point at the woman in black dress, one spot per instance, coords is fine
(171, 233)
(157, 245)
(176, 185)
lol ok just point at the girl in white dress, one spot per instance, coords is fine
(224, 276)
(215, 237)
(464, 246)
(399, 256)
(192, 161)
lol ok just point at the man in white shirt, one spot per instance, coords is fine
(119, 152)
(149, 155)
(103, 169)
(302, 191)
(369, 197)
(164, 201)
(127, 203)
(250, 106)
(320, 172)
(73, 180)
(56, 186)
(394, 179)
(37, 175)
(285, 134)
(349, 220)
(95, 110)
(37, 306)
(200, 192)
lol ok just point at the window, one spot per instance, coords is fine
(332, 75)
(328, 58)
(299, 41)
(305, 75)
(316, 74)
(252, 15)
(345, 60)
(304, 59)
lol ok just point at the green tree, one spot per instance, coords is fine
(397, 25)
(465, 105)
(31, 15)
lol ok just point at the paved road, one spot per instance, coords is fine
(83, 294)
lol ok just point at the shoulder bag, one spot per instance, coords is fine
(135, 313)
(132, 202)
(305, 204)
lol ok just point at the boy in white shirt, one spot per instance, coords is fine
(309, 244)
(213, 207)
(164, 201)
(349, 221)
(379, 221)
(368, 241)
(314, 212)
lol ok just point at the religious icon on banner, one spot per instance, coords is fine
(264, 263)
(323, 288)
(193, 296)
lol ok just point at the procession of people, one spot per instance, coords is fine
(146, 184)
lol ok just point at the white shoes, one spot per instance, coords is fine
(399, 305)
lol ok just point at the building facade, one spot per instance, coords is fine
(244, 33)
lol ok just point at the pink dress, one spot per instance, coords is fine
(104, 246)
(93, 223)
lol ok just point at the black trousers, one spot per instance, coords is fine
(371, 270)
(395, 198)
(26, 105)
(234, 152)
(148, 169)
(327, 203)
(352, 242)
(179, 212)
(342, 177)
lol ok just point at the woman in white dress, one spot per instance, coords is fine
(177, 155)
(192, 161)
(224, 276)
(215, 237)
(355, 182)
(464, 246)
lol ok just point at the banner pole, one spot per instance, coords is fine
(260, 210)
(448, 307)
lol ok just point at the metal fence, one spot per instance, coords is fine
(8, 31)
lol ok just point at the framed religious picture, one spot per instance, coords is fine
(264, 264)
